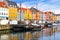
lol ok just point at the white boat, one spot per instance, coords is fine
(35, 24)
(4, 22)
(13, 22)
(55, 24)
(27, 22)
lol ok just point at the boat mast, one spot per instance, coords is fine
(36, 12)
(20, 12)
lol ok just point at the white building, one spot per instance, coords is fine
(3, 11)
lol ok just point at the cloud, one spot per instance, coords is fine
(47, 7)
(55, 0)
(43, 5)
(28, 4)
(57, 11)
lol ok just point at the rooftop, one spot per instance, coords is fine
(3, 4)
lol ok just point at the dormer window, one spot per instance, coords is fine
(15, 6)
(10, 5)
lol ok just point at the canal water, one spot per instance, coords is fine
(45, 34)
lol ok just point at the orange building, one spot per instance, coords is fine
(37, 15)
(49, 16)
(2, 4)
(34, 16)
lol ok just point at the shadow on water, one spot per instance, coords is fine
(28, 35)
(20, 35)
(16, 31)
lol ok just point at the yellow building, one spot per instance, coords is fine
(37, 16)
(54, 18)
(28, 15)
(58, 17)
(13, 13)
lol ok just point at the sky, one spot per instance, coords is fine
(42, 5)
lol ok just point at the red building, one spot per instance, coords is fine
(3, 4)
(49, 15)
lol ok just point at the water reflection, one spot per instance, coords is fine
(46, 34)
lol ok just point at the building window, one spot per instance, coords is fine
(15, 6)
(10, 5)
(2, 13)
(4, 9)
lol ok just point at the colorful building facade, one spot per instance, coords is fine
(28, 15)
(3, 11)
(43, 17)
(58, 17)
(54, 17)
(21, 12)
(36, 14)
(13, 13)
(13, 10)
(49, 16)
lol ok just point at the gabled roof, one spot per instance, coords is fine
(3, 4)
(11, 3)
(31, 10)
(22, 8)
(34, 9)
(48, 12)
